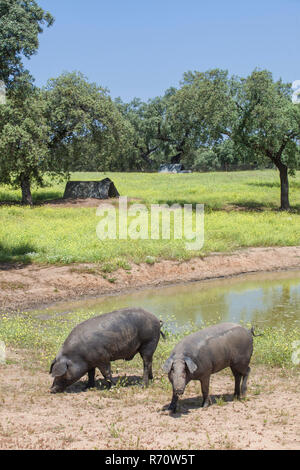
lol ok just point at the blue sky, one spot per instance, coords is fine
(141, 48)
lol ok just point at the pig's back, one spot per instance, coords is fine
(217, 346)
(115, 331)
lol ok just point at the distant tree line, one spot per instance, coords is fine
(210, 122)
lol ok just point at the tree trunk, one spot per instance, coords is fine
(176, 159)
(26, 192)
(284, 187)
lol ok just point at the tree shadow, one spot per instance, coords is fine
(12, 257)
(254, 206)
(122, 381)
(247, 205)
(274, 184)
(64, 202)
(38, 199)
(295, 209)
(264, 184)
(186, 404)
(181, 202)
(45, 196)
(8, 202)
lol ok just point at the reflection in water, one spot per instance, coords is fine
(261, 299)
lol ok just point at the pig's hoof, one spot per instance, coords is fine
(206, 404)
(110, 384)
(88, 387)
(172, 408)
(55, 390)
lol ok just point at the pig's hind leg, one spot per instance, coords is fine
(105, 370)
(146, 353)
(237, 383)
(244, 383)
(239, 372)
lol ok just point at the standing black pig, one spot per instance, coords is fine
(210, 350)
(98, 341)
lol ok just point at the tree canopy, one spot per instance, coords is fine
(267, 124)
(21, 21)
(213, 120)
(54, 129)
(83, 118)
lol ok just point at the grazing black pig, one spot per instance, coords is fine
(98, 341)
(210, 350)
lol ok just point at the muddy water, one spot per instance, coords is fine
(261, 299)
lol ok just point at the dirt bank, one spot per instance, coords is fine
(24, 287)
(135, 418)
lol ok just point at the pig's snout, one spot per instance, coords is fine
(56, 389)
(179, 391)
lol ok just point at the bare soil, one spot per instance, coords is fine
(77, 202)
(24, 287)
(132, 417)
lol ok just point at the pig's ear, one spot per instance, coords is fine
(167, 365)
(59, 368)
(190, 364)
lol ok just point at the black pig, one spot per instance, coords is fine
(98, 341)
(210, 350)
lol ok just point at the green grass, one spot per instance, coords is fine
(240, 211)
(259, 189)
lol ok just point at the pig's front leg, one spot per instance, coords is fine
(91, 381)
(173, 405)
(205, 391)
